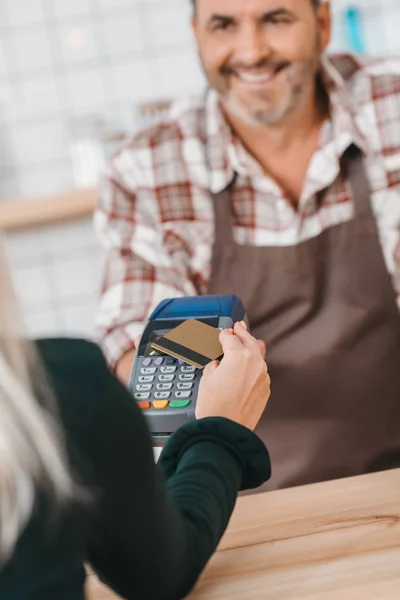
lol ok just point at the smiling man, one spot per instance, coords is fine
(281, 184)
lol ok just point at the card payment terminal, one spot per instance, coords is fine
(164, 387)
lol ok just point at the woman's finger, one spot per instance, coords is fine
(210, 368)
(247, 340)
(229, 341)
(262, 348)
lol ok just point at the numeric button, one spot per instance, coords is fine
(188, 369)
(186, 377)
(141, 395)
(185, 386)
(146, 379)
(162, 395)
(183, 395)
(164, 387)
(168, 369)
(143, 387)
(166, 378)
(148, 370)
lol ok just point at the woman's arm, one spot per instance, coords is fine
(151, 530)
(155, 528)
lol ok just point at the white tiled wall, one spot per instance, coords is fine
(61, 59)
(56, 272)
(380, 22)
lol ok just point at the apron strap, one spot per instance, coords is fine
(353, 165)
(223, 217)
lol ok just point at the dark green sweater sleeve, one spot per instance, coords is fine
(153, 529)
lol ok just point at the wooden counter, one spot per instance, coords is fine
(330, 541)
(23, 214)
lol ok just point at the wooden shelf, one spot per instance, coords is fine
(24, 214)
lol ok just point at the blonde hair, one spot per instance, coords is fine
(32, 455)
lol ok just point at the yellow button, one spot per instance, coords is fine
(160, 404)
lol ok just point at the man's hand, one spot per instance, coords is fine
(124, 366)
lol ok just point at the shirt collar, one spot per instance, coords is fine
(227, 157)
(346, 127)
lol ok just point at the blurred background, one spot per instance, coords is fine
(76, 78)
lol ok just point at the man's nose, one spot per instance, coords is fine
(251, 45)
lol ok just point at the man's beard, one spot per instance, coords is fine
(300, 80)
(293, 95)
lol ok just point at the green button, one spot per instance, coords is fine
(179, 403)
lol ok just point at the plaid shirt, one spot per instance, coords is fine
(155, 216)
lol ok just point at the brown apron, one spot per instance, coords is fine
(326, 310)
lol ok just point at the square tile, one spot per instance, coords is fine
(37, 143)
(13, 105)
(168, 25)
(122, 115)
(79, 319)
(43, 323)
(3, 16)
(41, 96)
(32, 285)
(86, 89)
(71, 8)
(121, 33)
(111, 5)
(73, 238)
(178, 73)
(30, 49)
(3, 60)
(78, 41)
(73, 277)
(22, 248)
(45, 180)
(130, 81)
(9, 187)
(388, 42)
(24, 12)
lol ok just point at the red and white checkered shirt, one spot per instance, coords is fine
(155, 216)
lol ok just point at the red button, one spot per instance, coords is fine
(144, 405)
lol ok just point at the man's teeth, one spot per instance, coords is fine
(255, 78)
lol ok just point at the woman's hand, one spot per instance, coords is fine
(237, 388)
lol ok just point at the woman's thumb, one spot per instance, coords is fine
(210, 368)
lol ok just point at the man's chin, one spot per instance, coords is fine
(252, 115)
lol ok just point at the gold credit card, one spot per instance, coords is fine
(193, 342)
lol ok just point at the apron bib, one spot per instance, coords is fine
(327, 311)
